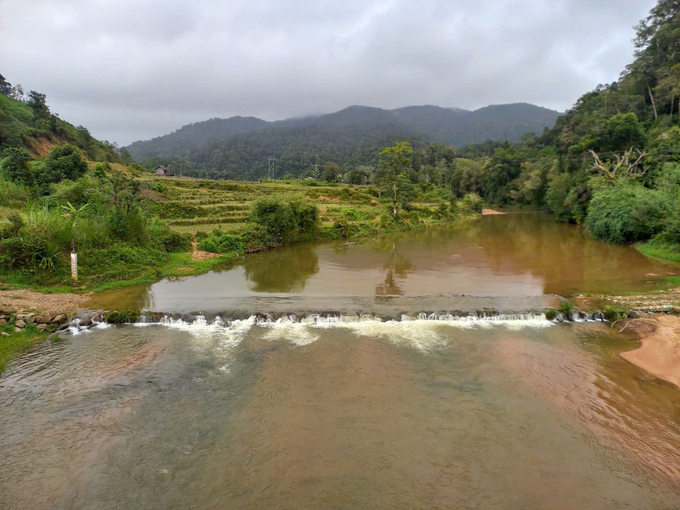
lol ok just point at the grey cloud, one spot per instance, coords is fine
(136, 69)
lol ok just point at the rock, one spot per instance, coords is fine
(62, 327)
(84, 319)
(4, 334)
(3, 322)
(42, 327)
(59, 319)
(41, 319)
(20, 324)
(26, 317)
(633, 314)
(4, 317)
(18, 330)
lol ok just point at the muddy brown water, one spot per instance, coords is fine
(510, 412)
(505, 262)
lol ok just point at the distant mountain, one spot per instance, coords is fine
(453, 126)
(240, 146)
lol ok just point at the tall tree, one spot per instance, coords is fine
(391, 176)
(5, 86)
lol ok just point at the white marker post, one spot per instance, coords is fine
(74, 266)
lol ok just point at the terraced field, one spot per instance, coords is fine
(192, 206)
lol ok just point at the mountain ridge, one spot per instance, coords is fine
(452, 126)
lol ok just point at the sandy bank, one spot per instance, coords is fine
(28, 300)
(660, 351)
(491, 212)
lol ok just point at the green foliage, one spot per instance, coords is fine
(15, 165)
(391, 176)
(615, 313)
(469, 205)
(284, 218)
(122, 317)
(343, 228)
(551, 315)
(566, 307)
(63, 162)
(556, 197)
(626, 213)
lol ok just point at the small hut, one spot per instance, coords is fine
(162, 171)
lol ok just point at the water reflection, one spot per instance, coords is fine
(521, 255)
(287, 272)
(397, 265)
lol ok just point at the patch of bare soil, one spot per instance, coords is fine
(152, 195)
(31, 301)
(660, 351)
(199, 255)
(491, 212)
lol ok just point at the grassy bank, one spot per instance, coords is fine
(218, 215)
(663, 251)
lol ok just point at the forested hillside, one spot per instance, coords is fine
(242, 147)
(613, 160)
(26, 121)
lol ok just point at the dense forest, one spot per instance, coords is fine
(249, 148)
(612, 161)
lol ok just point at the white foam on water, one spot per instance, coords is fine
(424, 332)
(229, 334)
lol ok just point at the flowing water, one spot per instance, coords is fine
(354, 411)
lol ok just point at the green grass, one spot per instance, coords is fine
(660, 251)
(13, 346)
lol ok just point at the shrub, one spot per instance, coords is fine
(343, 228)
(283, 218)
(472, 203)
(121, 317)
(551, 315)
(567, 308)
(162, 236)
(615, 313)
(626, 213)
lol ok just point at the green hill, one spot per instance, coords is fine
(242, 148)
(21, 127)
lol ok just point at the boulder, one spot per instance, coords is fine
(3, 322)
(59, 319)
(84, 319)
(42, 327)
(41, 319)
(26, 317)
(4, 334)
(63, 327)
(20, 324)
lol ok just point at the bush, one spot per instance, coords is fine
(284, 218)
(615, 313)
(551, 315)
(567, 308)
(472, 203)
(162, 236)
(343, 228)
(253, 238)
(626, 213)
(123, 317)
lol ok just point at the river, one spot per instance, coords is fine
(344, 396)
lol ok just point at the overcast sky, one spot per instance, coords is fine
(135, 69)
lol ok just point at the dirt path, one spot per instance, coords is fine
(660, 351)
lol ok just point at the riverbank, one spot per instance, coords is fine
(659, 353)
